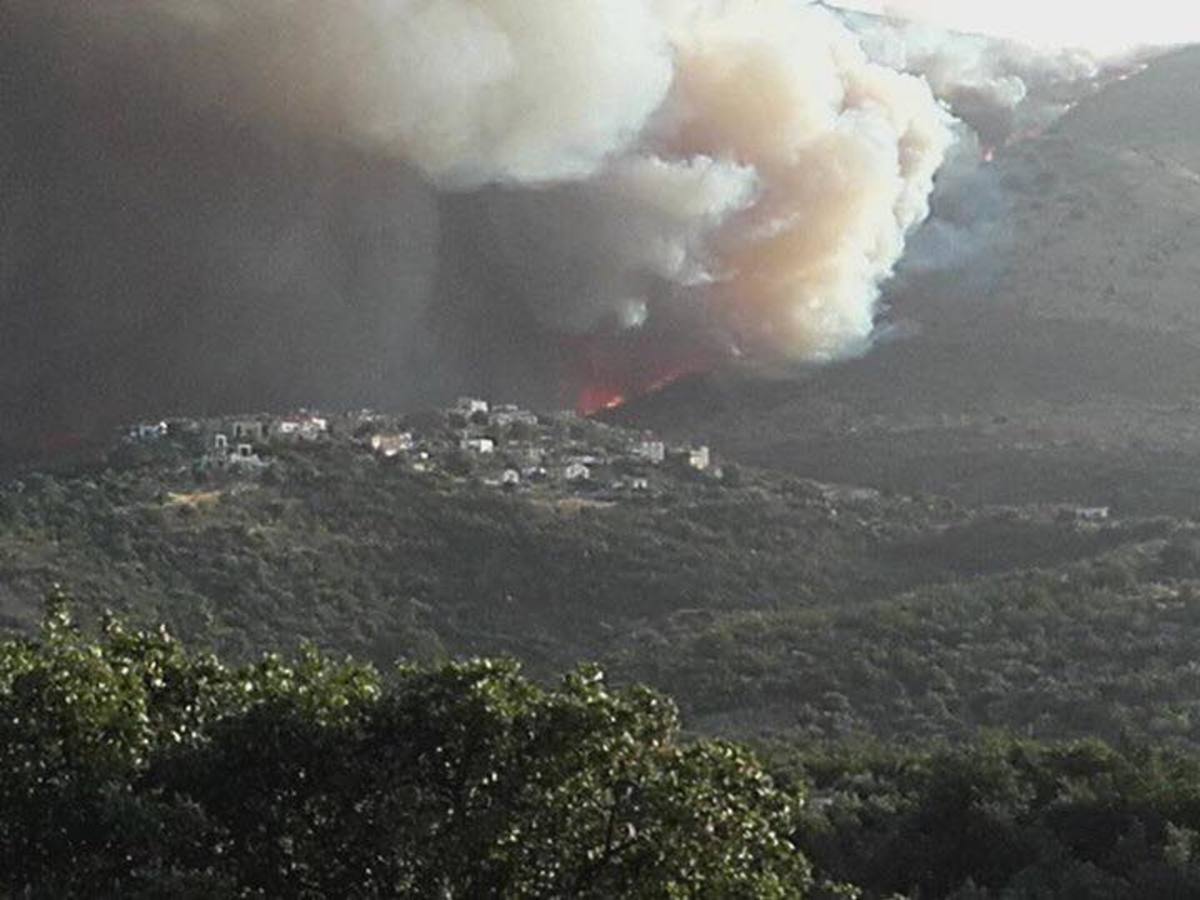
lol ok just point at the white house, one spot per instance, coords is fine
(1093, 514)
(218, 454)
(468, 406)
(699, 458)
(149, 431)
(508, 414)
(576, 472)
(478, 445)
(390, 445)
(241, 455)
(651, 451)
(510, 478)
(244, 455)
(305, 427)
(249, 430)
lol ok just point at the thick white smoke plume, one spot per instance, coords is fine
(522, 91)
(471, 91)
(746, 150)
(749, 169)
(845, 150)
(1007, 81)
(1000, 88)
(1105, 29)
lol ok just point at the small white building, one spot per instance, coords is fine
(651, 451)
(699, 458)
(217, 455)
(576, 472)
(248, 430)
(481, 445)
(305, 427)
(149, 431)
(390, 445)
(244, 455)
(508, 414)
(468, 406)
(1093, 514)
(222, 456)
(640, 484)
(510, 478)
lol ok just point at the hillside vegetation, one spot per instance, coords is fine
(1052, 357)
(135, 768)
(138, 768)
(767, 605)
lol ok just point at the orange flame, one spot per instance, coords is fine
(597, 398)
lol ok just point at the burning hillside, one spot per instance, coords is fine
(555, 198)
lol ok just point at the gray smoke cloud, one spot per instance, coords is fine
(999, 88)
(1001, 92)
(222, 203)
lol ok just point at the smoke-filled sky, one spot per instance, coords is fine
(1103, 28)
(235, 203)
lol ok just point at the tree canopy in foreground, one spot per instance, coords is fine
(133, 767)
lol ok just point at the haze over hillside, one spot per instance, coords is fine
(211, 204)
(1060, 361)
(826, 381)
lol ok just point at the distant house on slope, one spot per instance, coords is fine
(651, 451)
(389, 445)
(1093, 514)
(249, 429)
(576, 472)
(244, 456)
(508, 414)
(478, 445)
(699, 458)
(468, 406)
(222, 456)
(302, 427)
(149, 431)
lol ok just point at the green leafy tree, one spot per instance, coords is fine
(133, 767)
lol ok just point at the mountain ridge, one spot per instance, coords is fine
(1059, 361)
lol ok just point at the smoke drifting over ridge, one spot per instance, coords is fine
(221, 203)
(999, 88)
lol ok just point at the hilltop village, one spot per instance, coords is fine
(502, 446)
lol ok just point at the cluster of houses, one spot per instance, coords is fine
(503, 446)
(234, 443)
(506, 446)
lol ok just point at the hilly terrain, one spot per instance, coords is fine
(916, 625)
(986, 522)
(769, 605)
(1056, 362)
